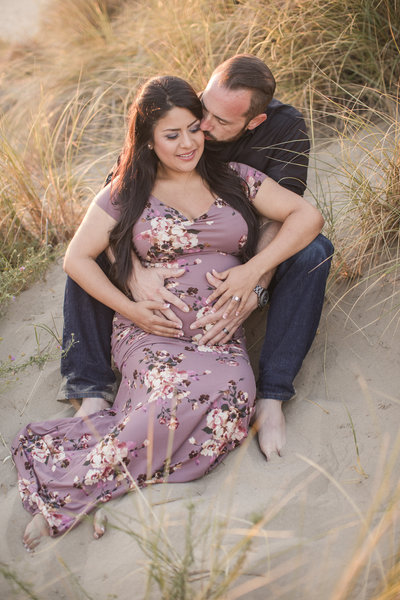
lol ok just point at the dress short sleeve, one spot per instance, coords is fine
(108, 202)
(251, 176)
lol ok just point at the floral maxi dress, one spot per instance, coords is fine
(180, 408)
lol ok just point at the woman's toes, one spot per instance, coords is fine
(35, 530)
(99, 523)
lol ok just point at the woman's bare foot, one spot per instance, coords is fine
(91, 405)
(99, 523)
(271, 426)
(35, 530)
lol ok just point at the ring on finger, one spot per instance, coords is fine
(226, 331)
(236, 298)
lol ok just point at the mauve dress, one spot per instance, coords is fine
(180, 408)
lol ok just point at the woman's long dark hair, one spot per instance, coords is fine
(136, 173)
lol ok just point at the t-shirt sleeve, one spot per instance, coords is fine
(290, 158)
(106, 200)
(251, 176)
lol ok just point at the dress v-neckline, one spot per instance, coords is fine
(189, 219)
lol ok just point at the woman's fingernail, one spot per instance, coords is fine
(167, 305)
(225, 316)
(186, 309)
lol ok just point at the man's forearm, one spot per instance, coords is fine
(268, 230)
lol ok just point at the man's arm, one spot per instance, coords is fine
(268, 230)
(301, 223)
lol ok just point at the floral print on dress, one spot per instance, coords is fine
(250, 176)
(225, 424)
(181, 405)
(169, 238)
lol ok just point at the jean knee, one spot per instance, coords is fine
(318, 252)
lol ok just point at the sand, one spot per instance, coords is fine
(20, 19)
(317, 500)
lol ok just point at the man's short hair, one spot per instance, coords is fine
(245, 71)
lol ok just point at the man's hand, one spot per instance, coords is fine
(148, 284)
(236, 286)
(217, 333)
(240, 281)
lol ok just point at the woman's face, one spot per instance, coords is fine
(178, 140)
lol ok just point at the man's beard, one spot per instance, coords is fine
(214, 141)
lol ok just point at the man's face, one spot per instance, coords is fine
(224, 112)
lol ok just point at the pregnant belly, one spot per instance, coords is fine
(193, 287)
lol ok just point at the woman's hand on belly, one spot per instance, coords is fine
(219, 330)
(148, 283)
(149, 316)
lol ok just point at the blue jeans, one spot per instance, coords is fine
(86, 357)
(297, 294)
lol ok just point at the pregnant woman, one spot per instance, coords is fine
(181, 407)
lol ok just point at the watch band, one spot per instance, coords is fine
(262, 296)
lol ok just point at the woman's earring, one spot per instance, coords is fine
(150, 147)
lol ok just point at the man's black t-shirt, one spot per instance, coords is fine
(278, 147)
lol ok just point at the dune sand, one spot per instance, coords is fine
(20, 19)
(342, 440)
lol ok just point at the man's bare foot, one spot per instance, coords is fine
(99, 523)
(35, 530)
(271, 426)
(91, 405)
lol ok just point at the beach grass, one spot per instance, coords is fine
(63, 104)
(65, 97)
(188, 552)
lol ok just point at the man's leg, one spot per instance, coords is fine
(297, 295)
(86, 358)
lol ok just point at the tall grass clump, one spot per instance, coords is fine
(338, 47)
(365, 222)
(64, 96)
(44, 187)
(374, 212)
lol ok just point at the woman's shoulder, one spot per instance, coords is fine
(107, 200)
(253, 177)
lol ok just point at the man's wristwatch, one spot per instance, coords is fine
(262, 296)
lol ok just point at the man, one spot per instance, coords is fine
(245, 124)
